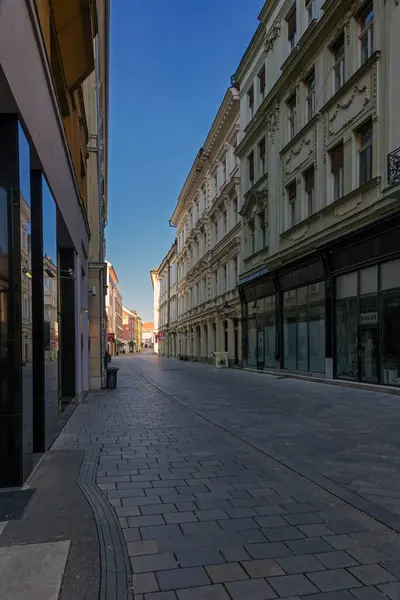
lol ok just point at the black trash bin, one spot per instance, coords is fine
(112, 377)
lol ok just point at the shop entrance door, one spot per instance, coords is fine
(368, 353)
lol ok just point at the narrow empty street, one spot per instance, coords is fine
(227, 484)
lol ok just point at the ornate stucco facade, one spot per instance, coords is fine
(319, 176)
(208, 241)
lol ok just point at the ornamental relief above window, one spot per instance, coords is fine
(348, 109)
(299, 154)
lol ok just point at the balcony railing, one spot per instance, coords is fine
(393, 166)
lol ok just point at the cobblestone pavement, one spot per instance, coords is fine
(207, 515)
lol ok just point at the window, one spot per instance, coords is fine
(291, 192)
(235, 211)
(215, 182)
(250, 99)
(216, 230)
(292, 29)
(310, 191)
(338, 65)
(224, 279)
(262, 229)
(310, 85)
(261, 83)
(367, 32)
(251, 233)
(224, 169)
(365, 152)
(310, 9)
(215, 283)
(250, 161)
(291, 105)
(234, 273)
(337, 171)
(261, 156)
(225, 222)
(204, 198)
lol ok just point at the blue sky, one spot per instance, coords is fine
(171, 63)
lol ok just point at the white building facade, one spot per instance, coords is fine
(207, 306)
(167, 311)
(320, 175)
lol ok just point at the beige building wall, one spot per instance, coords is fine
(95, 95)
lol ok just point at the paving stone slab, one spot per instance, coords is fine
(255, 589)
(292, 585)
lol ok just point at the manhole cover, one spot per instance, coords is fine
(14, 503)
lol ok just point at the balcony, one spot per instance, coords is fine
(393, 167)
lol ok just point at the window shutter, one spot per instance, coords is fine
(291, 21)
(337, 158)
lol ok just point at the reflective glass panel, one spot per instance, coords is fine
(50, 299)
(26, 285)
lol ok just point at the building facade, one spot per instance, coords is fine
(208, 317)
(44, 227)
(95, 97)
(115, 339)
(148, 334)
(319, 139)
(167, 274)
(129, 331)
(156, 301)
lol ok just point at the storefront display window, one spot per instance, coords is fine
(368, 324)
(390, 319)
(304, 328)
(346, 326)
(251, 343)
(269, 332)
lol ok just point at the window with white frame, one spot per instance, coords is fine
(250, 101)
(291, 109)
(365, 152)
(215, 182)
(250, 164)
(310, 98)
(215, 283)
(251, 236)
(292, 29)
(366, 20)
(224, 162)
(261, 156)
(310, 10)
(216, 230)
(338, 62)
(291, 195)
(309, 186)
(263, 229)
(224, 222)
(235, 211)
(337, 165)
(261, 83)
(204, 193)
(234, 273)
(224, 279)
